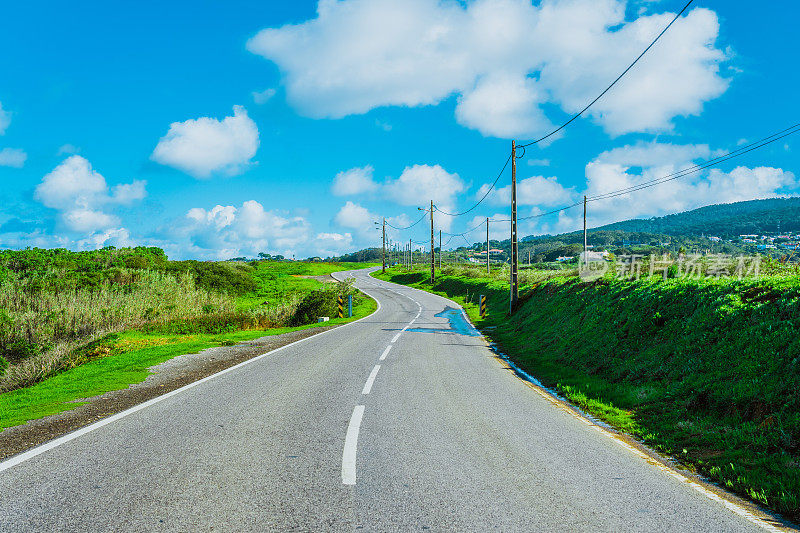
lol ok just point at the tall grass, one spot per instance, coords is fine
(40, 329)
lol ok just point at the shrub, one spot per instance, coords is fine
(315, 304)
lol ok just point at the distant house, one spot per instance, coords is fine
(745, 237)
(564, 258)
(492, 251)
(714, 239)
(748, 240)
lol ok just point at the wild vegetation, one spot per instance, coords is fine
(705, 369)
(55, 305)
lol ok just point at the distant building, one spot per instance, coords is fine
(749, 240)
(714, 239)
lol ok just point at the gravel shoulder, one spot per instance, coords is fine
(167, 376)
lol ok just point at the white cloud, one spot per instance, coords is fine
(503, 105)
(329, 244)
(356, 217)
(419, 184)
(536, 190)
(504, 59)
(539, 162)
(262, 97)
(119, 237)
(228, 231)
(68, 149)
(206, 146)
(80, 195)
(5, 119)
(12, 157)
(128, 193)
(357, 180)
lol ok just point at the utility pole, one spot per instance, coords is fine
(487, 245)
(410, 256)
(514, 289)
(585, 246)
(384, 246)
(433, 254)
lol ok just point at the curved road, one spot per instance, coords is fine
(401, 421)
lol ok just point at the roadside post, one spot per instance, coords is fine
(340, 304)
(349, 306)
(482, 301)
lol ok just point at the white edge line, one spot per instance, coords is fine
(385, 353)
(371, 379)
(42, 448)
(351, 446)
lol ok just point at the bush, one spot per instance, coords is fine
(20, 349)
(315, 304)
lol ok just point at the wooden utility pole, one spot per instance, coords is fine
(487, 245)
(585, 242)
(410, 256)
(514, 289)
(433, 250)
(384, 246)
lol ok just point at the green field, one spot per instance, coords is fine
(705, 370)
(279, 280)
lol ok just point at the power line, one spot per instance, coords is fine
(466, 232)
(582, 111)
(484, 196)
(406, 227)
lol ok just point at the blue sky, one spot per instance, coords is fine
(218, 130)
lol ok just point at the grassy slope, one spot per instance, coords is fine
(126, 357)
(706, 371)
(277, 280)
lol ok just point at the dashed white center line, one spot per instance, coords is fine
(371, 380)
(350, 446)
(385, 353)
(394, 340)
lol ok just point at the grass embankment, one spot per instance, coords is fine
(707, 371)
(76, 324)
(119, 360)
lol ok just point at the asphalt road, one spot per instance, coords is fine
(317, 437)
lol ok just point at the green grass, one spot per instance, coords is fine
(121, 360)
(278, 280)
(707, 371)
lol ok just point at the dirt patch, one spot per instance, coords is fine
(167, 376)
(327, 278)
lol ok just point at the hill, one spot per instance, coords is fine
(723, 220)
